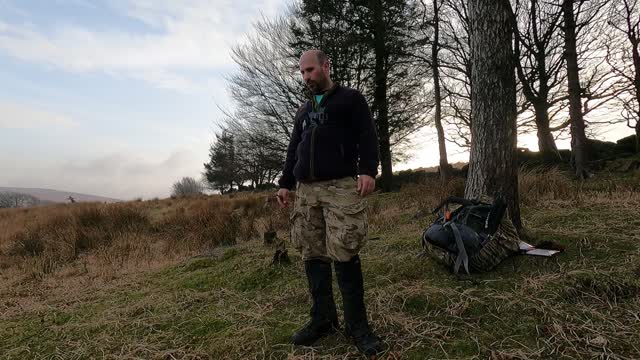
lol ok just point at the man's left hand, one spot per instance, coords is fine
(366, 185)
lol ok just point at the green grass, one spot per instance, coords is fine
(234, 304)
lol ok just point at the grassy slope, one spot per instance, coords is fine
(234, 304)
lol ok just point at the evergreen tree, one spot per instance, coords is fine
(222, 171)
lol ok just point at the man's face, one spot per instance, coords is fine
(316, 76)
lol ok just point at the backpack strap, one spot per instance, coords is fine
(496, 214)
(462, 258)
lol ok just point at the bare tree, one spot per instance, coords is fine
(445, 169)
(267, 92)
(187, 186)
(598, 84)
(623, 57)
(17, 200)
(266, 89)
(493, 164)
(455, 63)
(456, 66)
(539, 50)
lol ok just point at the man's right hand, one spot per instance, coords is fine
(283, 197)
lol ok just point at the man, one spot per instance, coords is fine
(333, 158)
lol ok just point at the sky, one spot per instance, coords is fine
(120, 98)
(116, 98)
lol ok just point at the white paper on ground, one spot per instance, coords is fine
(529, 249)
(542, 252)
(524, 246)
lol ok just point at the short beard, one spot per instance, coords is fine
(320, 87)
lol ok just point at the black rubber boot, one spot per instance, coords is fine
(349, 276)
(324, 318)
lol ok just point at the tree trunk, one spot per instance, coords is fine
(493, 164)
(445, 171)
(578, 136)
(380, 95)
(636, 82)
(546, 142)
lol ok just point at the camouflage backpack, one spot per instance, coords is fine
(477, 235)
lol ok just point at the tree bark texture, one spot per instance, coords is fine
(493, 163)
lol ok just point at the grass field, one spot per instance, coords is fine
(191, 279)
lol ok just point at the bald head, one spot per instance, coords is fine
(314, 67)
(319, 55)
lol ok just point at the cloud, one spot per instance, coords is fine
(79, 50)
(168, 80)
(18, 116)
(99, 167)
(118, 174)
(182, 36)
(118, 164)
(124, 176)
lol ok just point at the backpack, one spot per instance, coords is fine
(476, 235)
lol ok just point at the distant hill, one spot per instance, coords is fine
(56, 196)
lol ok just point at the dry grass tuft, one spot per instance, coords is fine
(50, 237)
(600, 286)
(53, 241)
(540, 184)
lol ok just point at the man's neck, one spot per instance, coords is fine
(326, 88)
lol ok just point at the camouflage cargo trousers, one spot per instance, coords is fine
(329, 220)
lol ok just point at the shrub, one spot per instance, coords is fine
(187, 186)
